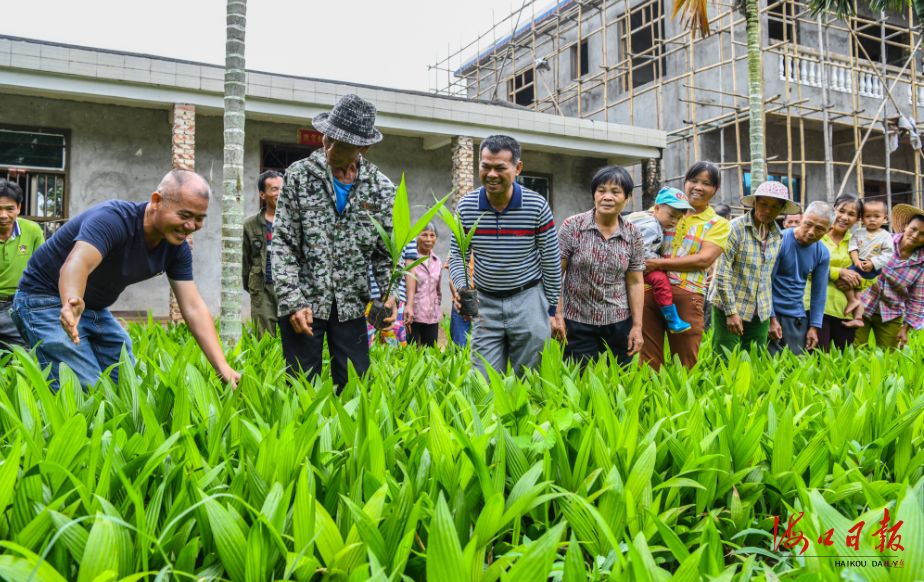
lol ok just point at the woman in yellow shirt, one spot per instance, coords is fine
(698, 240)
(847, 211)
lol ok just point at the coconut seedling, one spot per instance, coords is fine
(468, 296)
(402, 233)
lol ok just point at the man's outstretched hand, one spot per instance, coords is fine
(70, 317)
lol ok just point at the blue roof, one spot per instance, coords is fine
(519, 32)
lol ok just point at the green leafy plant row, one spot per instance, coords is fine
(424, 470)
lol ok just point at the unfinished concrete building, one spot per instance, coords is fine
(842, 99)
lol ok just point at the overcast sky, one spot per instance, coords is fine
(379, 42)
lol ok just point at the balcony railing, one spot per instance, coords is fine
(807, 70)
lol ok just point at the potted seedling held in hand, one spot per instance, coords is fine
(468, 295)
(402, 233)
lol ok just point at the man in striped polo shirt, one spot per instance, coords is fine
(517, 261)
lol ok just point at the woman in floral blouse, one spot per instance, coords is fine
(602, 259)
(895, 302)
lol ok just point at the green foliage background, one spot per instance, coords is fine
(426, 471)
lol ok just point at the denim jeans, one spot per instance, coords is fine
(9, 335)
(459, 329)
(101, 338)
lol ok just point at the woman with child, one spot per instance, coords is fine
(895, 301)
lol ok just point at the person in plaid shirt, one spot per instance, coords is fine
(895, 303)
(741, 292)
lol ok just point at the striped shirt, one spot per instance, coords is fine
(900, 288)
(513, 247)
(595, 291)
(742, 283)
(409, 254)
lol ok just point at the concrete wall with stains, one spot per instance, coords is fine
(122, 152)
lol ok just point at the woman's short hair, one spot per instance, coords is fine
(615, 174)
(715, 175)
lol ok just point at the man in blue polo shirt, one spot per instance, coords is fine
(517, 261)
(62, 302)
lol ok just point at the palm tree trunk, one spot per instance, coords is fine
(756, 93)
(232, 211)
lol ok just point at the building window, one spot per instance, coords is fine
(540, 183)
(781, 21)
(641, 38)
(580, 64)
(37, 161)
(876, 190)
(795, 187)
(279, 156)
(521, 89)
(869, 39)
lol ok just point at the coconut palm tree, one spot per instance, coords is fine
(696, 16)
(232, 208)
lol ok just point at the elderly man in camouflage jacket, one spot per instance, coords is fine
(324, 239)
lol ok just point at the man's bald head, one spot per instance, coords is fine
(177, 182)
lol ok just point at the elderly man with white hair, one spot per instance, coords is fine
(802, 257)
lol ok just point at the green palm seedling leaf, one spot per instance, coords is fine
(402, 233)
(328, 538)
(9, 473)
(230, 540)
(368, 532)
(73, 535)
(911, 512)
(642, 470)
(462, 237)
(26, 566)
(536, 562)
(445, 562)
(641, 560)
(104, 548)
(689, 570)
(575, 570)
(401, 214)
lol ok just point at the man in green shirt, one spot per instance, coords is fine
(18, 240)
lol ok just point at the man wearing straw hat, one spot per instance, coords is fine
(324, 240)
(741, 294)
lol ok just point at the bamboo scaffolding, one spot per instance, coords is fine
(645, 69)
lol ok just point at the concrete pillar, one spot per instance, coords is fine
(651, 181)
(182, 156)
(463, 168)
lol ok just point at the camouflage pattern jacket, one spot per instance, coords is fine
(319, 255)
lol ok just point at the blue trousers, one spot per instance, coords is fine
(38, 318)
(458, 329)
